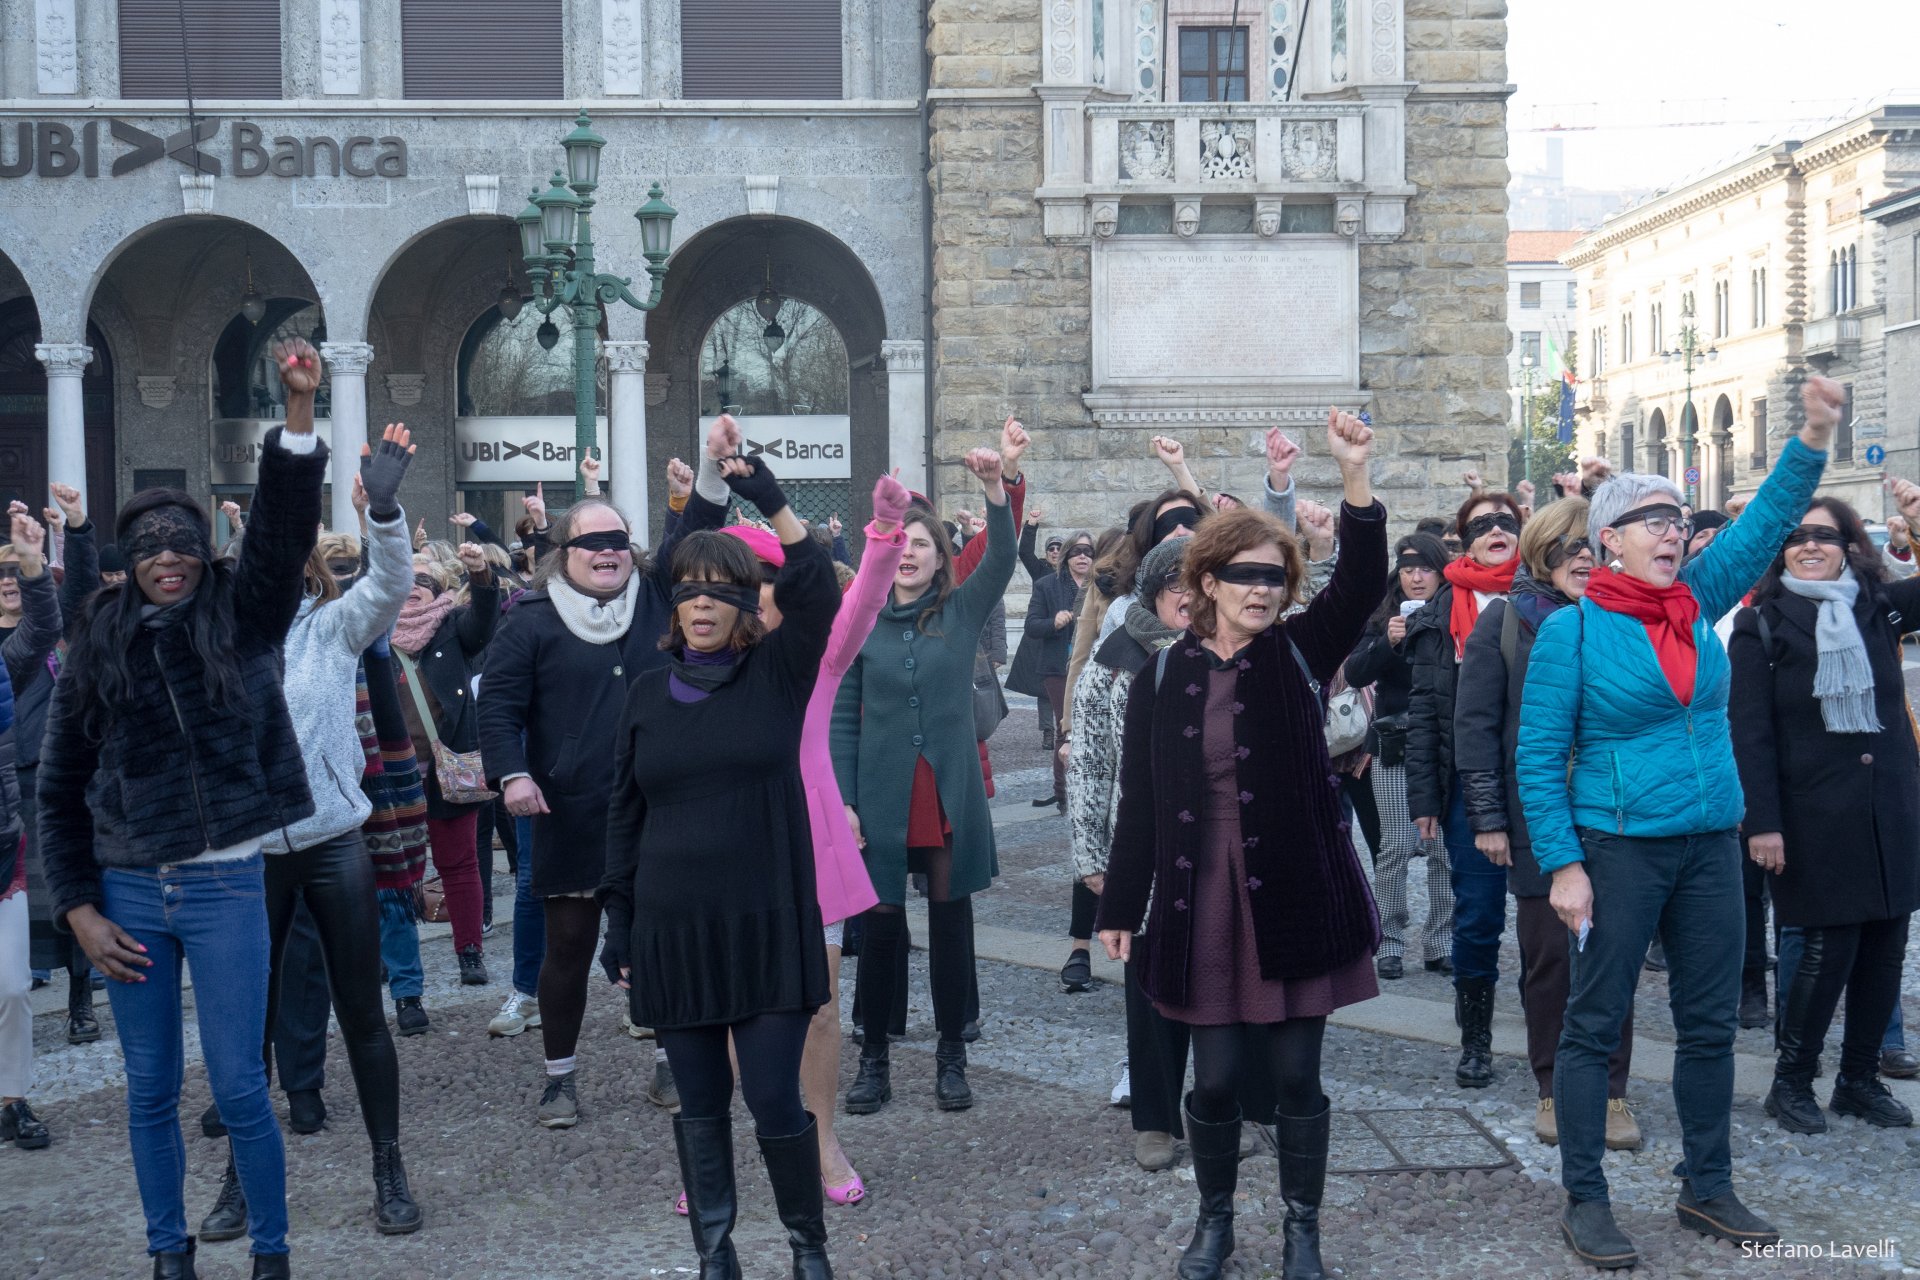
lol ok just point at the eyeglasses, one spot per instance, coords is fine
(1567, 550)
(1658, 517)
(1170, 581)
(1816, 533)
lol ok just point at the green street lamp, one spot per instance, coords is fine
(1527, 363)
(556, 242)
(1689, 354)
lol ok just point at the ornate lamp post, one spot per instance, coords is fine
(1526, 412)
(1690, 354)
(556, 241)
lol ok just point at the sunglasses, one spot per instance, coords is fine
(1567, 549)
(1816, 533)
(1480, 526)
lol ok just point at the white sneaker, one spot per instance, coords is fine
(633, 1029)
(1122, 1095)
(515, 1016)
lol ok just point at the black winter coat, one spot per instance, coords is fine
(1486, 728)
(1374, 661)
(1847, 805)
(1428, 649)
(1054, 645)
(174, 775)
(550, 707)
(448, 665)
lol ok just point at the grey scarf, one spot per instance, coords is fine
(595, 621)
(1844, 679)
(1144, 625)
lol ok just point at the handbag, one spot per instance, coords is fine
(430, 901)
(989, 701)
(1348, 715)
(1390, 732)
(461, 774)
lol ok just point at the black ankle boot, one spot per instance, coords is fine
(227, 1220)
(1303, 1179)
(951, 1092)
(210, 1122)
(175, 1266)
(82, 1026)
(1473, 1000)
(394, 1212)
(872, 1088)
(272, 1266)
(793, 1166)
(1216, 1171)
(706, 1173)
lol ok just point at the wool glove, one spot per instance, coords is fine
(613, 955)
(381, 471)
(760, 488)
(890, 500)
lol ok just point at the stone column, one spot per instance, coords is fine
(906, 361)
(66, 414)
(626, 470)
(347, 363)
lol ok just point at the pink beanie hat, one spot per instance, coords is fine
(761, 542)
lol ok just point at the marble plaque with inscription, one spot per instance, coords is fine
(1240, 314)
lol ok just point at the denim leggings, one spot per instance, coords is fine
(212, 918)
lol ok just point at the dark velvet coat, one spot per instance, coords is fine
(1847, 804)
(1312, 910)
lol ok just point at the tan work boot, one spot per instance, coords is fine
(1153, 1151)
(1623, 1131)
(1546, 1125)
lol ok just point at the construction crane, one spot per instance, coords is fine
(1685, 113)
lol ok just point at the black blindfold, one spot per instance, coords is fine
(610, 540)
(169, 528)
(1480, 526)
(1251, 574)
(745, 599)
(1173, 518)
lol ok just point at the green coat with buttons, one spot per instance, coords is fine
(910, 694)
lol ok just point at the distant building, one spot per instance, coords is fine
(1542, 304)
(1897, 220)
(1776, 265)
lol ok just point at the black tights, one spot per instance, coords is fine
(949, 954)
(573, 931)
(335, 878)
(1288, 1051)
(768, 1045)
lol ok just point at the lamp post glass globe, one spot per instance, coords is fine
(656, 225)
(583, 154)
(559, 208)
(547, 335)
(253, 307)
(774, 337)
(509, 302)
(528, 220)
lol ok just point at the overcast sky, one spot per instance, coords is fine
(1763, 56)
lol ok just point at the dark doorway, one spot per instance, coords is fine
(23, 416)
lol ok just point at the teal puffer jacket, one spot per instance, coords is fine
(1604, 742)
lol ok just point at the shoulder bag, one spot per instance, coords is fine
(461, 774)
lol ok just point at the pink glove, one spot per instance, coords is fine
(890, 500)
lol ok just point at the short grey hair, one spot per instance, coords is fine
(1621, 494)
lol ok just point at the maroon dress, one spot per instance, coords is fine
(1226, 984)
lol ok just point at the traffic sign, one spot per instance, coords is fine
(1875, 455)
(1693, 475)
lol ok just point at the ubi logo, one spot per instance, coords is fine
(507, 451)
(795, 449)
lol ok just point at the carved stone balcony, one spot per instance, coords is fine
(1831, 338)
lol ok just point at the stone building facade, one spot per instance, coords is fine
(1109, 265)
(1784, 274)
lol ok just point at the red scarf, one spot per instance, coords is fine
(1668, 613)
(1468, 576)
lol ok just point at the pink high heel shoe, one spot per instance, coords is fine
(852, 1191)
(680, 1205)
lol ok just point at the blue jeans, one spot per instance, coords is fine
(213, 918)
(1793, 943)
(400, 947)
(1688, 888)
(1479, 896)
(529, 918)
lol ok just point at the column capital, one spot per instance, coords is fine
(904, 355)
(626, 354)
(347, 357)
(63, 359)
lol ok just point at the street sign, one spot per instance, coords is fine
(1875, 455)
(1693, 475)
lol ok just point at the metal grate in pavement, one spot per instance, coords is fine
(1412, 1140)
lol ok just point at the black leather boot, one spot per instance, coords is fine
(706, 1172)
(1473, 1000)
(82, 1026)
(1216, 1171)
(793, 1166)
(951, 1092)
(872, 1088)
(175, 1266)
(272, 1266)
(227, 1220)
(394, 1212)
(1303, 1179)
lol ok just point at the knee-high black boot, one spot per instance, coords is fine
(1216, 1170)
(706, 1171)
(793, 1166)
(1303, 1179)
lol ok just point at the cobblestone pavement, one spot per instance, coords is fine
(1036, 1181)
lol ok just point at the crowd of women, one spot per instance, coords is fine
(724, 765)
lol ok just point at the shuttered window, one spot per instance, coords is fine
(231, 48)
(760, 49)
(482, 49)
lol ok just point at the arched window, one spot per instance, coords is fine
(507, 371)
(792, 365)
(245, 382)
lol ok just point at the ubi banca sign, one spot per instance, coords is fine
(814, 446)
(51, 149)
(519, 450)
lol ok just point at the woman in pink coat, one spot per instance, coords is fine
(841, 876)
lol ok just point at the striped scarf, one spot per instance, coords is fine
(396, 833)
